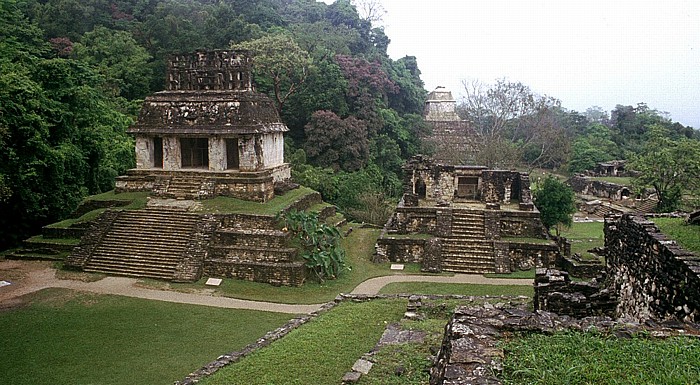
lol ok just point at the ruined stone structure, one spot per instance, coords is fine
(613, 198)
(183, 246)
(611, 168)
(470, 354)
(647, 278)
(210, 133)
(465, 219)
(556, 292)
(654, 277)
(451, 138)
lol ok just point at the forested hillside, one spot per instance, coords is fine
(73, 74)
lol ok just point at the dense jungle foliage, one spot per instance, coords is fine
(73, 74)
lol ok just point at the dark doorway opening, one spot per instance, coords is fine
(467, 187)
(158, 152)
(232, 161)
(420, 188)
(194, 152)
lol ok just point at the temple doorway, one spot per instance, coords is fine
(194, 152)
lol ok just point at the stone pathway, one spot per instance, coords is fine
(42, 278)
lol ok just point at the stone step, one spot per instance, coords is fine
(457, 233)
(468, 220)
(134, 264)
(160, 254)
(145, 243)
(160, 237)
(465, 250)
(141, 273)
(148, 238)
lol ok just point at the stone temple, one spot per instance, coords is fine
(451, 139)
(208, 134)
(462, 218)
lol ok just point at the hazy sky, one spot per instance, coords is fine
(585, 53)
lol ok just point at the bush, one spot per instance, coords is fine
(319, 242)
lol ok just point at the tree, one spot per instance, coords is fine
(591, 148)
(335, 142)
(280, 60)
(556, 202)
(510, 113)
(117, 56)
(61, 137)
(671, 167)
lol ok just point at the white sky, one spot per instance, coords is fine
(585, 53)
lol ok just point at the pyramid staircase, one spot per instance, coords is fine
(148, 243)
(467, 250)
(647, 206)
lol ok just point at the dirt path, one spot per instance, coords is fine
(29, 277)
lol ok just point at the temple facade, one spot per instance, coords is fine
(209, 133)
(451, 139)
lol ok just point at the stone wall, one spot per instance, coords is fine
(407, 220)
(209, 70)
(555, 292)
(252, 186)
(401, 250)
(91, 240)
(278, 274)
(583, 185)
(525, 256)
(521, 224)
(655, 278)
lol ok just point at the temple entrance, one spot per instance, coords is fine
(232, 162)
(158, 152)
(420, 188)
(467, 187)
(194, 152)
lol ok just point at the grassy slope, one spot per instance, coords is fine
(65, 337)
(319, 352)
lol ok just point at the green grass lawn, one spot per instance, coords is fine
(359, 246)
(522, 274)
(319, 352)
(621, 180)
(67, 337)
(589, 358)
(687, 236)
(271, 207)
(585, 236)
(455, 288)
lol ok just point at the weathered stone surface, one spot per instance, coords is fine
(362, 366)
(351, 377)
(654, 277)
(555, 292)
